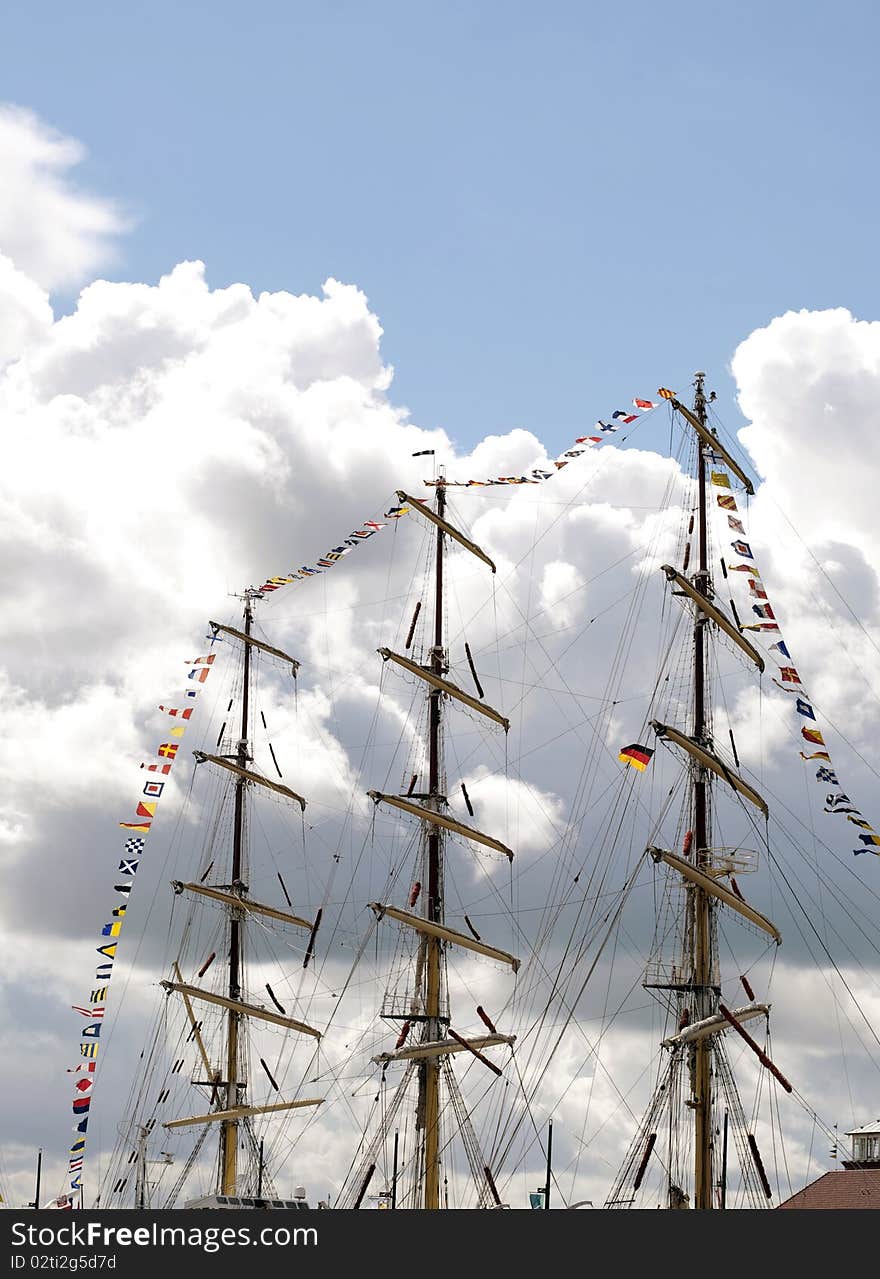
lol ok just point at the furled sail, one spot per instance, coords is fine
(239, 1006)
(239, 1112)
(427, 926)
(249, 776)
(438, 819)
(712, 762)
(440, 1047)
(712, 1025)
(448, 528)
(452, 690)
(714, 443)
(712, 610)
(261, 644)
(243, 903)
(711, 885)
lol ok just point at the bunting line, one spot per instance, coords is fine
(837, 802)
(93, 1008)
(618, 419)
(335, 554)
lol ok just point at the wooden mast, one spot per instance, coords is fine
(694, 976)
(429, 1005)
(429, 1069)
(703, 914)
(229, 1127)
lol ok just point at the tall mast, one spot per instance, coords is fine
(229, 1127)
(429, 1002)
(429, 1070)
(140, 1193)
(703, 916)
(693, 978)
(225, 1056)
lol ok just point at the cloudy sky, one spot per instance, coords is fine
(246, 274)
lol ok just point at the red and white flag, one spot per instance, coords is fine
(63, 1201)
(96, 1011)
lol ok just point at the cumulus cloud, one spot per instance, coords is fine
(559, 583)
(502, 804)
(56, 234)
(169, 444)
(26, 313)
(809, 383)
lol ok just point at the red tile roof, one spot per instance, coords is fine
(843, 1188)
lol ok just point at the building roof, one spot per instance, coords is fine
(869, 1130)
(842, 1188)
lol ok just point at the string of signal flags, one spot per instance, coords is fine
(766, 626)
(635, 755)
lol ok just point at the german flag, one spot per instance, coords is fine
(638, 756)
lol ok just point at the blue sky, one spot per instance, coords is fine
(551, 207)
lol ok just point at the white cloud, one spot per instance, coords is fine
(26, 314)
(168, 444)
(503, 805)
(559, 583)
(809, 382)
(53, 232)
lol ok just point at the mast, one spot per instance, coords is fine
(394, 1172)
(693, 982)
(229, 1127)
(549, 1165)
(429, 1069)
(428, 1004)
(703, 915)
(223, 1050)
(140, 1193)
